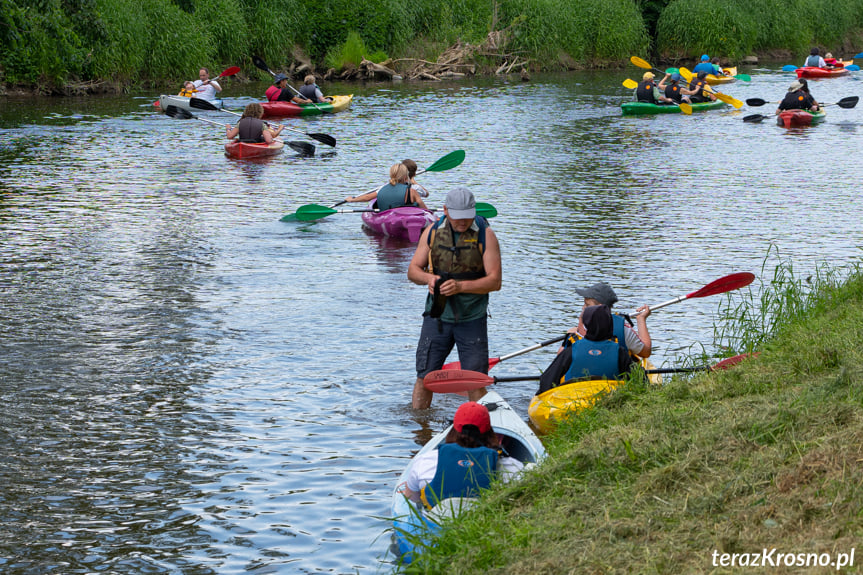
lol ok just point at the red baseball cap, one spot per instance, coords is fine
(472, 413)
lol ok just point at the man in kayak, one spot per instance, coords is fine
(280, 92)
(670, 85)
(798, 98)
(250, 128)
(206, 88)
(397, 193)
(814, 60)
(458, 258)
(439, 474)
(648, 92)
(705, 66)
(596, 355)
(310, 91)
(638, 343)
(696, 86)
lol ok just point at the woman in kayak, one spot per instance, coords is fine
(397, 193)
(251, 128)
(440, 474)
(798, 98)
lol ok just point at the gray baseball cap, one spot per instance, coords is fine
(460, 204)
(601, 292)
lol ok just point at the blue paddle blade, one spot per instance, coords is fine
(789, 68)
(853, 68)
(860, 55)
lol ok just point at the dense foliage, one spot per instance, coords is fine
(49, 43)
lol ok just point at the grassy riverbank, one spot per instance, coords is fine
(75, 46)
(766, 455)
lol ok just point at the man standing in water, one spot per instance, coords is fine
(458, 258)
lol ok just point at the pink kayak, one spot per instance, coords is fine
(406, 222)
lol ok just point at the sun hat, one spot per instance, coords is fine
(795, 85)
(460, 204)
(599, 291)
(278, 78)
(472, 413)
(705, 58)
(648, 76)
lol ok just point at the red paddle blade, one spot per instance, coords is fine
(455, 380)
(732, 361)
(230, 71)
(724, 284)
(493, 361)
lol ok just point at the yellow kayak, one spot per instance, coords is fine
(726, 79)
(547, 408)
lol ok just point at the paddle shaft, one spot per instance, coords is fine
(267, 123)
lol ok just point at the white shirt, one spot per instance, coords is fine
(423, 469)
(206, 91)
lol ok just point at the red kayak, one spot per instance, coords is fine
(246, 150)
(815, 72)
(798, 118)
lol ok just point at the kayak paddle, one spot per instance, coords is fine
(202, 104)
(731, 101)
(459, 380)
(724, 284)
(182, 114)
(847, 102)
(754, 118)
(310, 212)
(259, 62)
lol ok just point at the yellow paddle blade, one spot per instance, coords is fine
(685, 73)
(685, 108)
(640, 63)
(631, 84)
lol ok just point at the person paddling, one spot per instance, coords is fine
(310, 91)
(696, 86)
(798, 98)
(250, 128)
(206, 88)
(705, 66)
(648, 92)
(395, 194)
(280, 92)
(814, 60)
(670, 85)
(637, 343)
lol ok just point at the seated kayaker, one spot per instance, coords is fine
(412, 172)
(597, 355)
(395, 194)
(705, 66)
(717, 68)
(206, 88)
(798, 98)
(251, 129)
(648, 92)
(441, 473)
(814, 60)
(310, 91)
(832, 62)
(280, 92)
(188, 90)
(670, 85)
(637, 343)
(696, 86)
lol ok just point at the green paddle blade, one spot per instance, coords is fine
(672, 70)
(744, 77)
(485, 210)
(311, 212)
(448, 162)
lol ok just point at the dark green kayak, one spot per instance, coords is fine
(640, 108)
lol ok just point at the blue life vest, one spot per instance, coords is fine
(620, 331)
(393, 196)
(594, 360)
(461, 472)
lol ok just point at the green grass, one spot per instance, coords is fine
(653, 480)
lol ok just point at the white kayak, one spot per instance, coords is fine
(183, 102)
(411, 524)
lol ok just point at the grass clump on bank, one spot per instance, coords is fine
(766, 455)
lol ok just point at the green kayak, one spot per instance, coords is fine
(639, 108)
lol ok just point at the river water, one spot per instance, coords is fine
(190, 385)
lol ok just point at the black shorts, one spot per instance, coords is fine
(438, 338)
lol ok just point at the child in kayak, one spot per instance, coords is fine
(188, 90)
